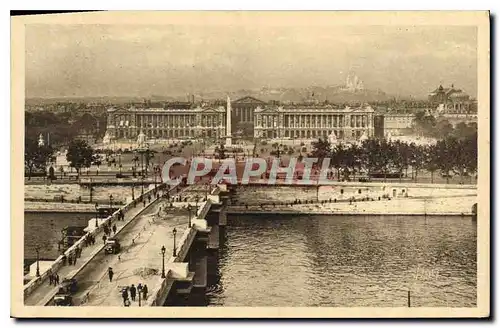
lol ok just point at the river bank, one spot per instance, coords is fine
(354, 200)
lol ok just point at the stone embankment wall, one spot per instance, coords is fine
(376, 199)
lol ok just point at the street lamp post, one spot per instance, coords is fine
(163, 261)
(189, 215)
(142, 185)
(120, 162)
(110, 201)
(91, 190)
(196, 199)
(174, 232)
(155, 173)
(38, 261)
(96, 216)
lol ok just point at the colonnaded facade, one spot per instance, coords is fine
(305, 122)
(167, 123)
(301, 122)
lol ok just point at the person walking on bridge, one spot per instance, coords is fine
(133, 292)
(125, 296)
(114, 229)
(104, 238)
(110, 274)
(145, 292)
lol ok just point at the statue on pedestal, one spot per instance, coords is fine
(41, 142)
(141, 140)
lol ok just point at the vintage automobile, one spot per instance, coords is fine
(112, 246)
(63, 299)
(68, 286)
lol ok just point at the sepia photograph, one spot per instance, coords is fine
(251, 164)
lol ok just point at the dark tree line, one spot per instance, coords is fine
(429, 126)
(449, 156)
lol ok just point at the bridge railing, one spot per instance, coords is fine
(59, 262)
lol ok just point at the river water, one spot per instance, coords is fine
(345, 261)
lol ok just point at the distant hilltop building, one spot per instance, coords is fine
(353, 83)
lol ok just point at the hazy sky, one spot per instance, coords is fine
(125, 60)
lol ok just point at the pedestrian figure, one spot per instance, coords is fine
(70, 260)
(64, 259)
(110, 274)
(114, 228)
(57, 279)
(74, 260)
(132, 292)
(106, 230)
(145, 292)
(51, 279)
(125, 296)
(126, 303)
(144, 203)
(149, 198)
(104, 239)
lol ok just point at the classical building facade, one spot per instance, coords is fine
(313, 122)
(166, 123)
(243, 115)
(294, 122)
(396, 124)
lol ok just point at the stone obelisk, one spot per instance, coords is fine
(228, 123)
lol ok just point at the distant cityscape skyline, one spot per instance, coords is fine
(176, 60)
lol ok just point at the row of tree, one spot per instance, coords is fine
(385, 157)
(430, 126)
(36, 158)
(62, 127)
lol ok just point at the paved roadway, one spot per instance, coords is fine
(41, 293)
(139, 261)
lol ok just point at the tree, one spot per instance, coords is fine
(36, 157)
(321, 150)
(80, 155)
(417, 158)
(431, 160)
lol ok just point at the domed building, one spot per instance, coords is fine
(455, 100)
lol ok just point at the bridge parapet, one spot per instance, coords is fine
(177, 268)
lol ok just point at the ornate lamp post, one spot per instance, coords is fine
(156, 169)
(174, 232)
(120, 162)
(189, 215)
(133, 196)
(110, 201)
(96, 216)
(163, 261)
(37, 249)
(142, 185)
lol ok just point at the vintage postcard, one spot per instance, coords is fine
(251, 164)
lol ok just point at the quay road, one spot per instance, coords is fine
(44, 292)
